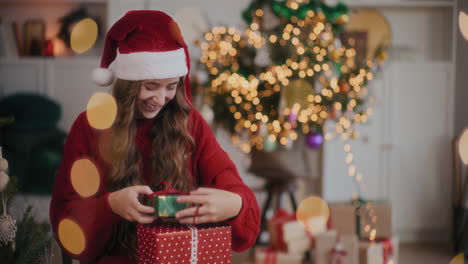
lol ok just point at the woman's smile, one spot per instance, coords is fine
(151, 106)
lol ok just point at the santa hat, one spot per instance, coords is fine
(144, 44)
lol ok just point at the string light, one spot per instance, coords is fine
(312, 39)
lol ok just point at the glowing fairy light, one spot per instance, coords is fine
(101, 110)
(463, 147)
(71, 236)
(313, 208)
(209, 36)
(352, 170)
(463, 24)
(367, 228)
(372, 235)
(312, 40)
(83, 36)
(85, 177)
(458, 259)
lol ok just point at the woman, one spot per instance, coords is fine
(156, 136)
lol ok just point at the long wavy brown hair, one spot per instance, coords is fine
(171, 146)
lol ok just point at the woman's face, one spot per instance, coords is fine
(154, 94)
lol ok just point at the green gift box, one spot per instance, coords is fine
(166, 205)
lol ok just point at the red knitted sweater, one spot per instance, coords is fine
(209, 164)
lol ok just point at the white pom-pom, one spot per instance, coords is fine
(103, 76)
(4, 179)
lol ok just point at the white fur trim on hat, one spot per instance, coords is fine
(103, 76)
(151, 65)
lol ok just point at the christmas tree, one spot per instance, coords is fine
(25, 241)
(293, 69)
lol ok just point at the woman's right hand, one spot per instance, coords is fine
(126, 204)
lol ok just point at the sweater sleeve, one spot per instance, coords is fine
(83, 226)
(217, 170)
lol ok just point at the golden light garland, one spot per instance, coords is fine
(345, 131)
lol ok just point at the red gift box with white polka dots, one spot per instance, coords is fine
(174, 243)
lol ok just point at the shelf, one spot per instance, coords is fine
(398, 3)
(53, 1)
(38, 59)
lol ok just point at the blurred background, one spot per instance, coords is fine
(361, 103)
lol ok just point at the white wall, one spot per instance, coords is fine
(404, 150)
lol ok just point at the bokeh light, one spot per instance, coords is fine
(101, 110)
(463, 147)
(71, 236)
(313, 209)
(463, 24)
(458, 259)
(296, 93)
(3, 164)
(84, 35)
(85, 177)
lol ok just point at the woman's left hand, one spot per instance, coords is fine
(215, 206)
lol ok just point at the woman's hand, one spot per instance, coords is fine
(125, 203)
(215, 206)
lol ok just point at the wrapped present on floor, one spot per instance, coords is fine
(351, 246)
(290, 235)
(390, 250)
(381, 214)
(371, 253)
(324, 243)
(292, 229)
(296, 238)
(316, 225)
(361, 217)
(167, 242)
(299, 245)
(343, 218)
(265, 255)
(337, 254)
(275, 228)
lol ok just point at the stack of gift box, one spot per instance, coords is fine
(371, 223)
(353, 234)
(166, 241)
(288, 240)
